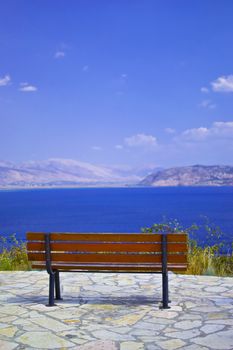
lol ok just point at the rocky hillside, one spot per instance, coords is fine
(73, 173)
(65, 173)
(53, 172)
(196, 175)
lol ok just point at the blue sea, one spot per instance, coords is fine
(114, 209)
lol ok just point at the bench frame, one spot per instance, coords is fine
(54, 278)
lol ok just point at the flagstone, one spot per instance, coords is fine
(106, 335)
(148, 339)
(190, 317)
(13, 310)
(163, 314)
(194, 347)
(6, 345)
(217, 315)
(184, 334)
(171, 344)
(123, 330)
(43, 340)
(221, 340)
(33, 327)
(130, 345)
(149, 326)
(8, 319)
(188, 324)
(205, 309)
(152, 347)
(99, 345)
(8, 331)
(127, 320)
(162, 321)
(228, 322)
(77, 336)
(51, 324)
(139, 331)
(212, 328)
(215, 289)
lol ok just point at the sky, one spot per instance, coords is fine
(117, 82)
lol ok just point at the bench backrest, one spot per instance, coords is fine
(108, 251)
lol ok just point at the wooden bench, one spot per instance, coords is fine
(107, 252)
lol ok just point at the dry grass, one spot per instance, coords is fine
(13, 255)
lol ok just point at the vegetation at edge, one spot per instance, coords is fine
(213, 256)
(13, 254)
(203, 259)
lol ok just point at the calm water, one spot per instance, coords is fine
(113, 209)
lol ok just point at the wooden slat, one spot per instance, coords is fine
(113, 268)
(107, 247)
(108, 237)
(109, 258)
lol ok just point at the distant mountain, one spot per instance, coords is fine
(196, 175)
(137, 173)
(53, 172)
(65, 173)
(72, 173)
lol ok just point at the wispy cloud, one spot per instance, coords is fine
(25, 87)
(223, 84)
(207, 104)
(119, 146)
(217, 130)
(96, 148)
(141, 140)
(170, 130)
(59, 54)
(5, 80)
(205, 90)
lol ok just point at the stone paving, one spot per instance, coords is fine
(115, 312)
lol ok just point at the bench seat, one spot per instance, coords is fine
(107, 252)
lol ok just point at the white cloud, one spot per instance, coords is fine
(85, 68)
(196, 134)
(141, 140)
(170, 130)
(96, 148)
(119, 147)
(25, 87)
(59, 54)
(223, 84)
(5, 80)
(218, 130)
(223, 129)
(207, 104)
(124, 76)
(205, 90)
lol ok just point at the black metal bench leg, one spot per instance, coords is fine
(51, 289)
(57, 286)
(165, 291)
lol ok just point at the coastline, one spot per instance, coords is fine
(28, 188)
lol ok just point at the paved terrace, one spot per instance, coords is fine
(115, 311)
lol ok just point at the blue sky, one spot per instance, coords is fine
(117, 82)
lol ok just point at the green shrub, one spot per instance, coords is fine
(13, 254)
(202, 260)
